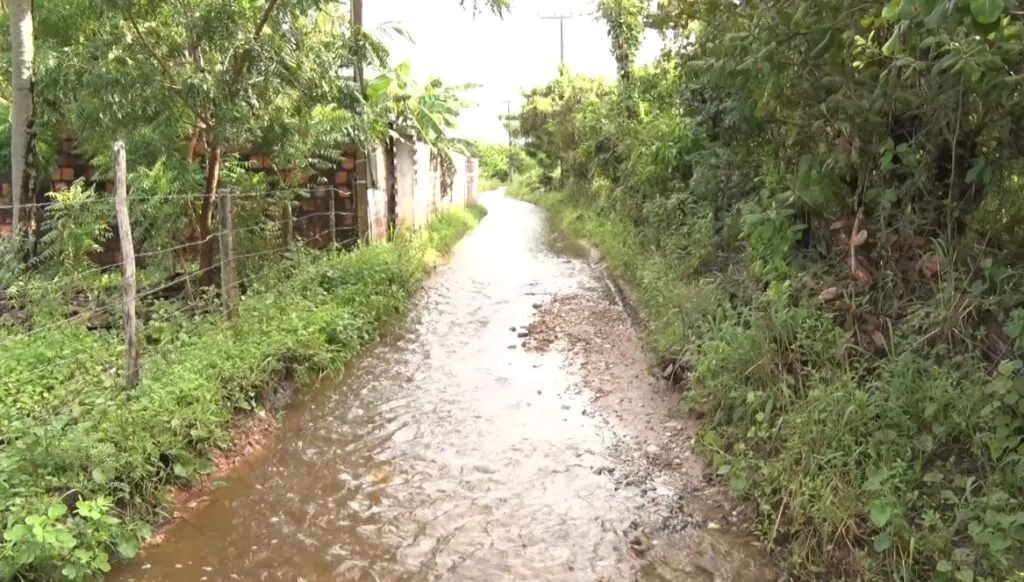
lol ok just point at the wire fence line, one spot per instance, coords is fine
(183, 278)
(177, 275)
(111, 309)
(269, 195)
(214, 235)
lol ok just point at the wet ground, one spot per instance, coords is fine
(508, 430)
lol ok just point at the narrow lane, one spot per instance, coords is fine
(449, 452)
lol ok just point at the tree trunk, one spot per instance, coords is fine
(206, 269)
(23, 116)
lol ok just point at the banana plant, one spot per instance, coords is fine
(426, 112)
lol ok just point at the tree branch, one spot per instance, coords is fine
(263, 19)
(164, 67)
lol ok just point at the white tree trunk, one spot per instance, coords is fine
(23, 116)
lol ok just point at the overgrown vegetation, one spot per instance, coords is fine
(818, 205)
(496, 160)
(85, 466)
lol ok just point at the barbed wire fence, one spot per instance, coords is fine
(179, 285)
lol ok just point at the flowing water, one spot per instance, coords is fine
(447, 453)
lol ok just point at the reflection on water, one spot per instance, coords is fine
(447, 453)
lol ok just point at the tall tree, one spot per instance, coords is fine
(23, 117)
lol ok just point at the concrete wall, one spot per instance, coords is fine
(405, 174)
(420, 192)
(423, 186)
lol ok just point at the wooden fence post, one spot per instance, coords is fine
(331, 193)
(287, 222)
(124, 229)
(228, 280)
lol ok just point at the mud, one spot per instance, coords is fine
(509, 430)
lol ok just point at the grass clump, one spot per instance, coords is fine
(85, 465)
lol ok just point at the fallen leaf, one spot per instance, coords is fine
(860, 275)
(870, 322)
(878, 339)
(831, 294)
(930, 265)
(859, 238)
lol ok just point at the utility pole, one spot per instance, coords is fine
(561, 33)
(361, 193)
(508, 129)
(357, 26)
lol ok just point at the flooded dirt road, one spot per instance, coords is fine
(468, 448)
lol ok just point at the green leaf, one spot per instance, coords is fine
(883, 542)
(64, 538)
(965, 575)
(944, 566)
(890, 10)
(738, 484)
(378, 86)
(892, 46)
(911, 9)
(975, 171)
(938, 15)
(1008, 367)
(101, 475)
(1014, 327)
(724, 469)
(128, 547)
(986, 11)
(56, 510)
(880, 513)
(18, 532)
(998, 543)
(205, 466)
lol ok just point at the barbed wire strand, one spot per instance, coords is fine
(192, 304)
(268, 194)
(149, 292)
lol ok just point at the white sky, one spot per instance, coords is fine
(503, 56)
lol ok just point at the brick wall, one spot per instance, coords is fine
(338, 180)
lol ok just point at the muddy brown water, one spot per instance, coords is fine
(450, 453)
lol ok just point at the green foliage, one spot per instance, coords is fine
(78, 224)
(865, 153)
(85, 465)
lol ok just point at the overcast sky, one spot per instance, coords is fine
(520, 51)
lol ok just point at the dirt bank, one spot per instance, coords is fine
(250, 435)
